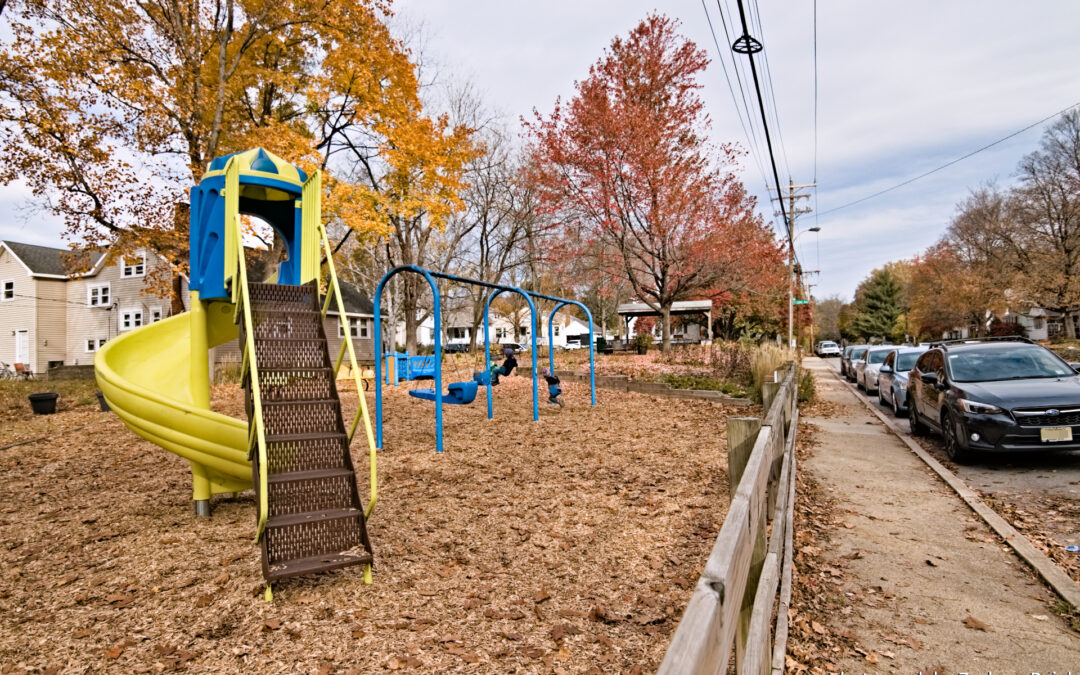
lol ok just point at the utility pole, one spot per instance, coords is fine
(791, 214)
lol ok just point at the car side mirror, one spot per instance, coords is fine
(1075, 366)
(885, 369)
(929, 378)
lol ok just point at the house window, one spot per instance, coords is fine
(134, 269)
(9, 290)
(353, 329)
(1037, 323)
(501, 334)
(365, 328)
(459, 333)
(98, 296)
(556, 327)
(155, 314)
(94, 344)
(131, 318)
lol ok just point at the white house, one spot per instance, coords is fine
(51, 317)
(457, 330)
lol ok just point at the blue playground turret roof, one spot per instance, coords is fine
(261, 167)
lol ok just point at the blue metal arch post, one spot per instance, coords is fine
(431, 276)
(487, 345)
(551, 339)
(378, 353)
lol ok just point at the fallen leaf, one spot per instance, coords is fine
(974, 624)
(221, 578)
(541, 596)
(204, 600)
(271, 624)
(818, 628)
(1040, 617)
(325, 669)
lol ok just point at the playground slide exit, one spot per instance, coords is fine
(156, 380)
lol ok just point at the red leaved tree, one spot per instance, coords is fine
(625, 164)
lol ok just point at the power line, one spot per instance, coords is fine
(756, 9)
(756, 149)
(948, 164)
(734, 99)
(748, 45)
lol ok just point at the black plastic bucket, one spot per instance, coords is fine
(44, 404)
(102, 402)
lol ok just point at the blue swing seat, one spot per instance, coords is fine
(482, 377)
(457, 393)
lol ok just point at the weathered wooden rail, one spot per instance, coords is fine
(736, 599)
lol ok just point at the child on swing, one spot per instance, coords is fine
(554, 390)
(506, 368)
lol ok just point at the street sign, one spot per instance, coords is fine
(800, 302)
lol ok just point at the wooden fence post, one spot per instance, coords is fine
(741, 434)
(768, 393)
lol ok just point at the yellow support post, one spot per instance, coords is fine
(335, 288)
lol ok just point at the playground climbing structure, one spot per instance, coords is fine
(294, 446)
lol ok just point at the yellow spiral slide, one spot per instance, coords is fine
(156, 379)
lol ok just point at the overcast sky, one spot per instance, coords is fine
(902, 88)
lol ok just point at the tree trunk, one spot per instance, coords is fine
(408, 308)
(665, 318)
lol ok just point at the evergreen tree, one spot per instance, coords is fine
(879, 303)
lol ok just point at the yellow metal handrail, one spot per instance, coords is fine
(241, 299)
(334, 289)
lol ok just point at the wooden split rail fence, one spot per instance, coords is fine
(735, 600)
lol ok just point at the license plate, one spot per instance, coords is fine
(1056, 434)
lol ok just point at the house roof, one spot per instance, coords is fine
(680, 307)
(356, 302)
(45, 260)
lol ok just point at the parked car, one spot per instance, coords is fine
(845, 359)
(858, 355)
(893, 378)
(456, 347)
(995, 395)
(866, 373)
(827, 348)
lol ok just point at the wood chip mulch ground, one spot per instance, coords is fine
(566, 545)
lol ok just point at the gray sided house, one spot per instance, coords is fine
(51, 317)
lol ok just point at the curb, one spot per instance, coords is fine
(1046, 568)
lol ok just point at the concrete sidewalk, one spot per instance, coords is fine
(919, 564)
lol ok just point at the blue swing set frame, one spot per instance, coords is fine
(496, 289)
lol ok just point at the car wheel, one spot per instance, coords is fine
(918, 427)
(953, 448)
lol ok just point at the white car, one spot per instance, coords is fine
(866, 372)
(827, 348)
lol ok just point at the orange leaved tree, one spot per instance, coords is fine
(627, 163)
(111, 109)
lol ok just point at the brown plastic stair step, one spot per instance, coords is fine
(320, 563)
(291, 353)
(313, 533)
(291, 453)
(298, 492)
(296, 384)
(295, 323)
(281, 294)
(287, 418)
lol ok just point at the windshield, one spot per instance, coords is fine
(905, 362)
(877, 356)
(857, 354)
(1020, 363)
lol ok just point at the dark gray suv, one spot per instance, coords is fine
(995, 395)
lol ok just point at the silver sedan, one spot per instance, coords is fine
(866, 371)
